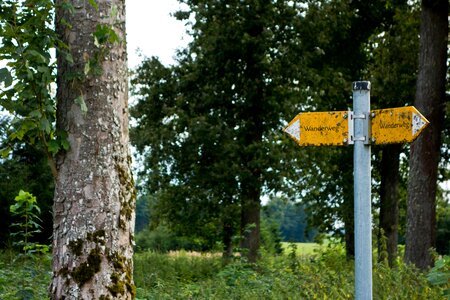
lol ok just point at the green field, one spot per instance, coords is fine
(302, 248)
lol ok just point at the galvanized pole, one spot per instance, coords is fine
(362, 187)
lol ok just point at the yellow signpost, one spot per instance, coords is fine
(319, 128)
(387, 126)
(397, 125)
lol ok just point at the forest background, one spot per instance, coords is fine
(208, 129)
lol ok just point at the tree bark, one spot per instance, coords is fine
(95, 194)
(390, 176)
(349, 225)
(227, 239)
(425, 151)
(250, 224)
(228, 217)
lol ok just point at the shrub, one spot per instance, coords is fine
(440, 275)
(162, 240)
(27, 211)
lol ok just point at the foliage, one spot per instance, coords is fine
(28, 140)
(28, 38)
(440, 275)
(142, 213)
(26, 168)
(271, 238)
(210, 126)
(24, 278)
(27, 210)
(291, 218)
(162, 240)
(324, 275)
(443, 228)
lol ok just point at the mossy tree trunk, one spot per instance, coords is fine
(95, 195)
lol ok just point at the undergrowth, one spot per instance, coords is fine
(24, 277)
(326, 274)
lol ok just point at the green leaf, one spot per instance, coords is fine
(43, 69)
(94, 4)
(87, 67)
(68, 57)
(65, 144)
(50, 108)
(53, 147)
(5, 152)
(103, 34)
(45, 125)
(80, 101)
(5, 77)
(113, 37)
(35, 114)
(37, 55)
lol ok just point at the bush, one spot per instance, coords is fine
(440, 275)
(162, 240)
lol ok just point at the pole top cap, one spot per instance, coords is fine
(361, 85)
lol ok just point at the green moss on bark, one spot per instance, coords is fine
(117, 286)
(85, 271)
(121, 267)
(76, 247)
(97, 237)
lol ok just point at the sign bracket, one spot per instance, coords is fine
(366, 137)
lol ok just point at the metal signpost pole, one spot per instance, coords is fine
(362, 187)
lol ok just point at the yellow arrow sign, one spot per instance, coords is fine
(397, 125)
(319, 128)
(388, 126)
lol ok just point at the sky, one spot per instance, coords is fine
(153, 31)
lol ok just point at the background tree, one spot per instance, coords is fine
(306, 58)
(430, 99)
(216, 129)
(291, 220)
(95, 194)
(392, 71)
(336, 34)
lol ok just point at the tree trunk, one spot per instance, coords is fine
(349, 225)
(430, 100)
(95, 194)
(390, 175)
(250, 224)
(227, 239)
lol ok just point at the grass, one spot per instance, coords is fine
(324, 274)
(305, 272)
(302, 248)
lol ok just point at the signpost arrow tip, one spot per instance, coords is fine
(293, 129)
(418, 123)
